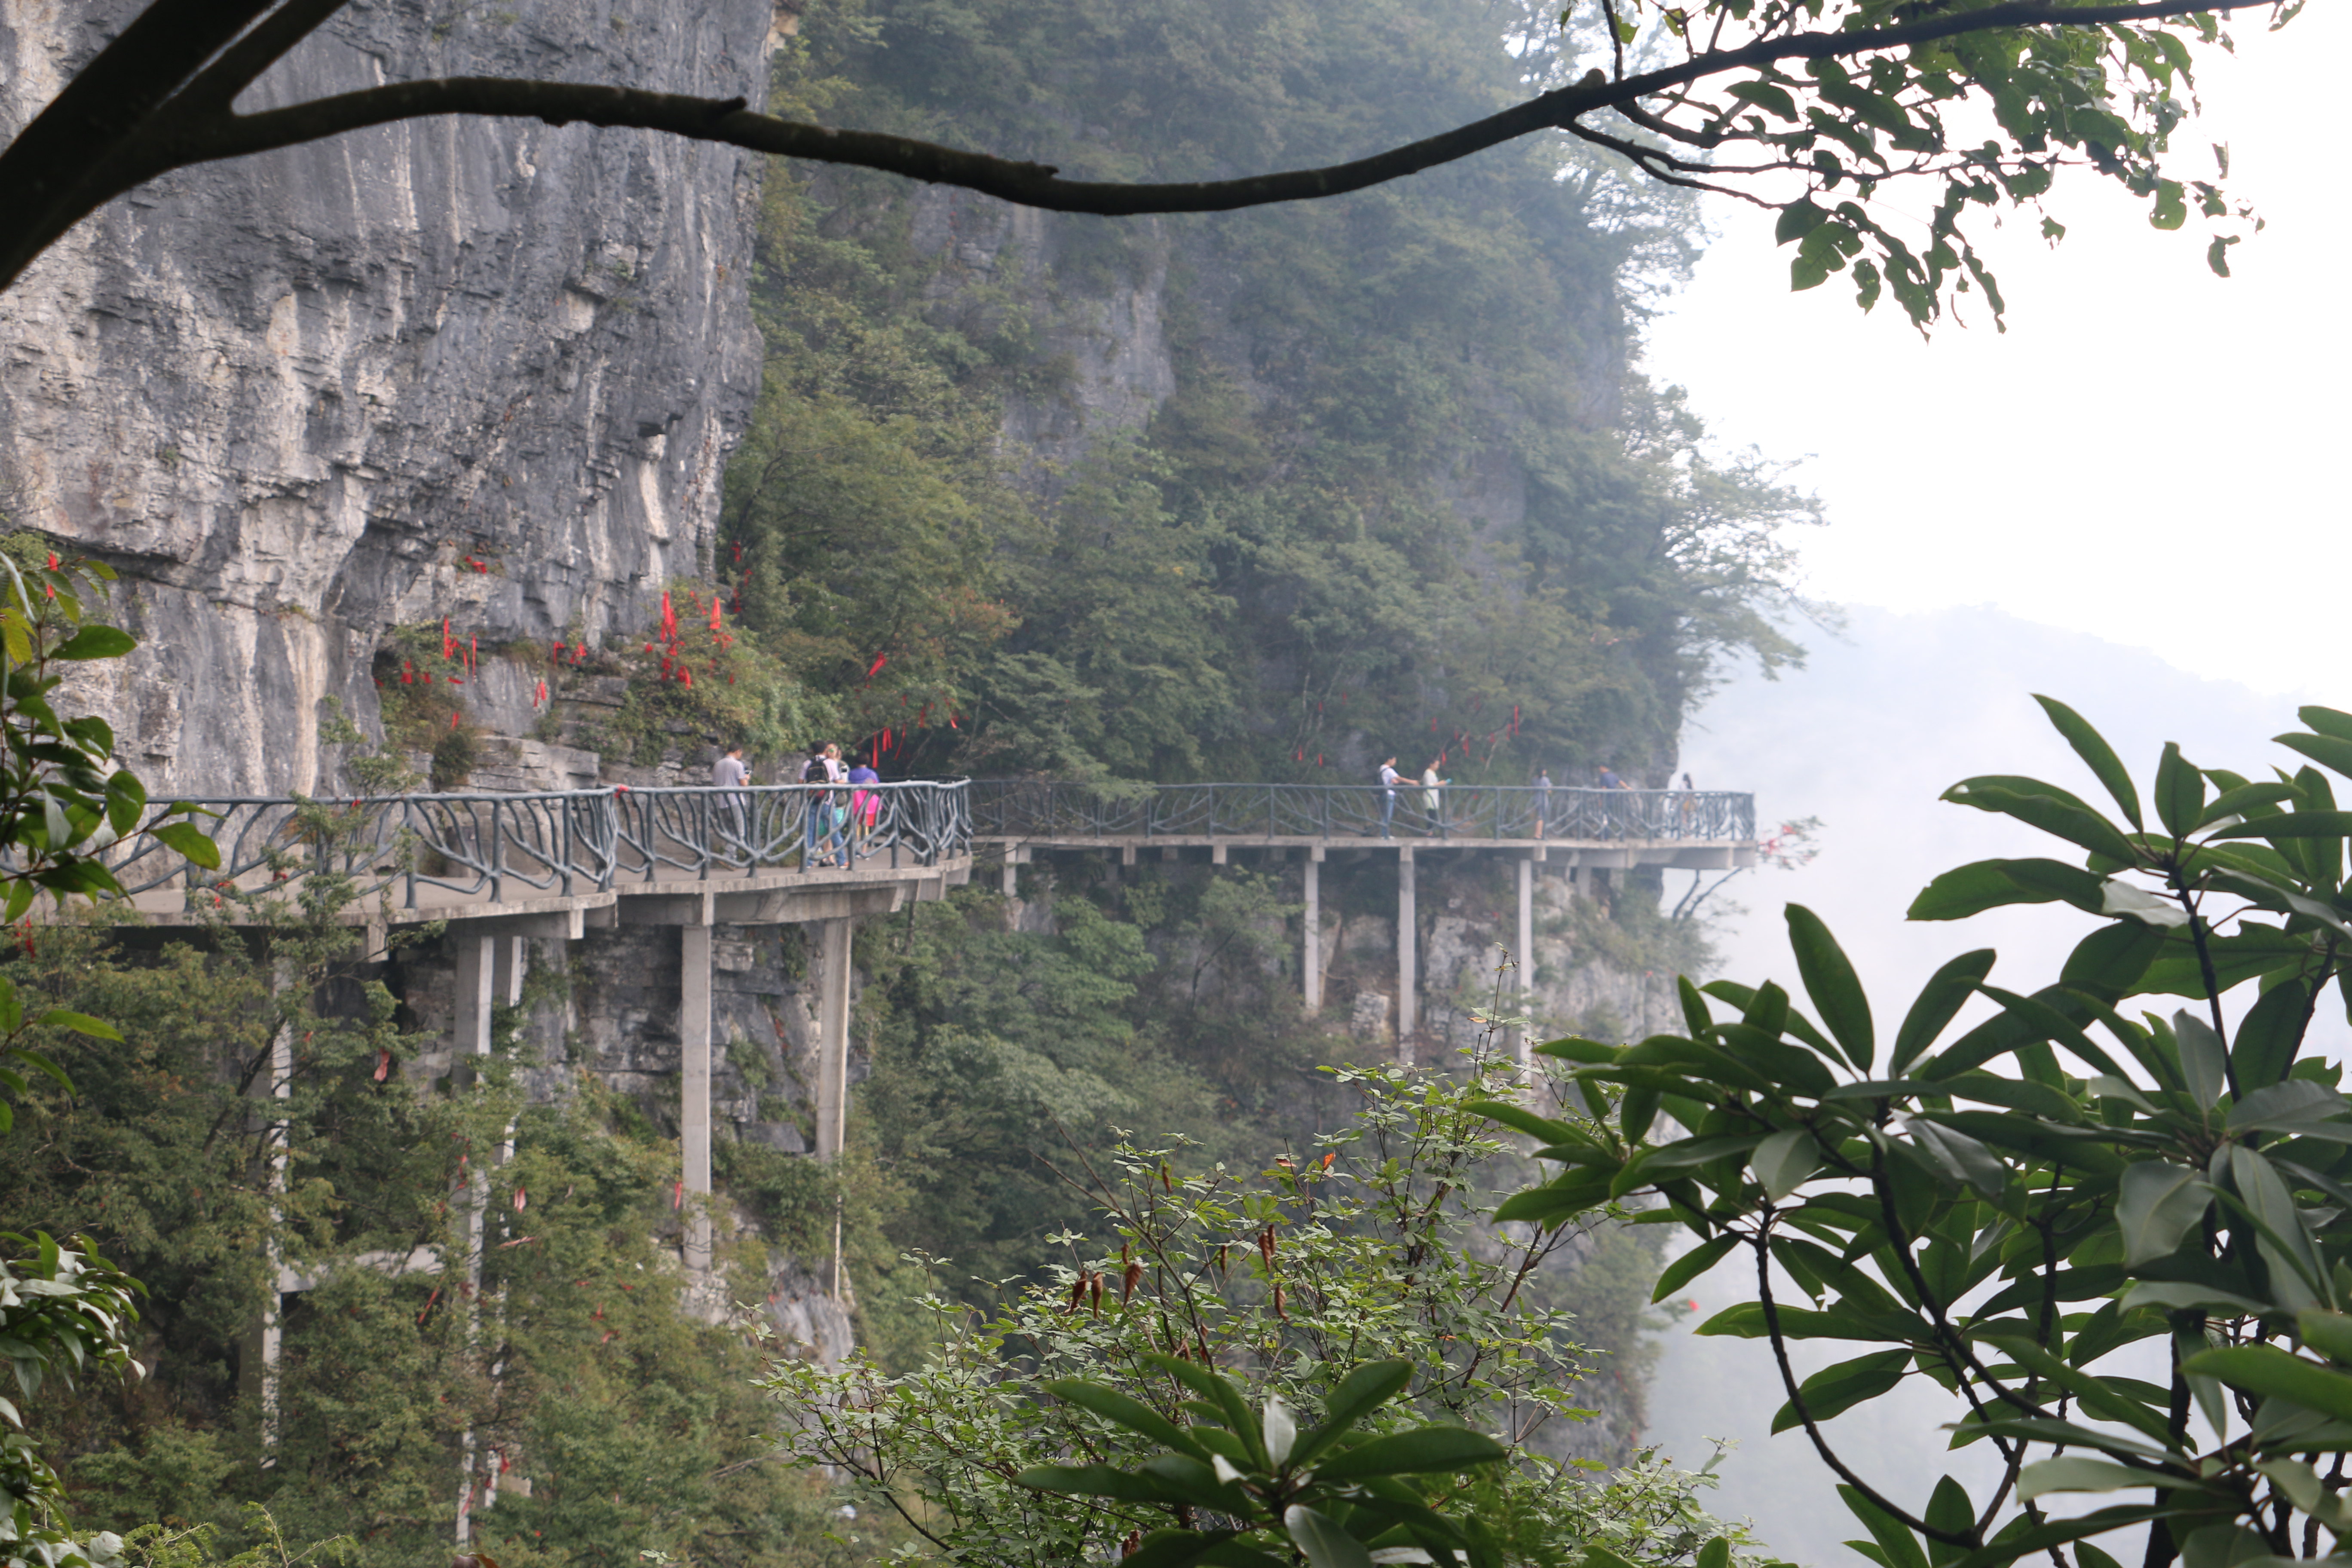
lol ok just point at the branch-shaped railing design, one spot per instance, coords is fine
(557, 843)
(1041, 809)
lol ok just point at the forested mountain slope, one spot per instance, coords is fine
(1266, 495)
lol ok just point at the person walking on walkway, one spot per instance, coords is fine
(1390, 779)
(865, 805)
(814, 775)
(1543, 799)
(1431, 799)
(1613, 816)
(730, 774)
(838, 804)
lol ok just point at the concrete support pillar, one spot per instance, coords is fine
(272, 1348)
(476, 993)
(1011, 875)
(478, 963)
(1526, 956)
(1408, 960)
(832, 1037)
(1313, 967)
(511, 958)
(694, 1085)
(1216, 853)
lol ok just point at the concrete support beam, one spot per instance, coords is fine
(1169, 852)
(832, 1038)
(1408, 959)
(1216, 853)
(1527, 953)
(803, 905)
(1126, 853)
(694, 1085)
(1313, 967)
(667, 909)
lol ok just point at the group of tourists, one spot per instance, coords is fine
(843, 807)
(1432, 796)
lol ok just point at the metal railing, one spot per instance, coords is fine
(553, 843)
(1041, 809)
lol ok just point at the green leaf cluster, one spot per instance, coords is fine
(1999, 1208)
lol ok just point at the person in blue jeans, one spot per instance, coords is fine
(1390, 779)
(815, 772)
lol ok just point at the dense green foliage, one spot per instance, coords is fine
(2173, 1202)
(1407, 493)
(1242, 1307)
(636, 1425)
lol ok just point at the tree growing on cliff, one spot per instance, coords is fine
(1813, 108)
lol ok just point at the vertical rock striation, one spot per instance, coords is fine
(482, 368)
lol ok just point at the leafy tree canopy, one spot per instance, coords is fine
(1817, 106)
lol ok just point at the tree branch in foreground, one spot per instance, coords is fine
(106, 152)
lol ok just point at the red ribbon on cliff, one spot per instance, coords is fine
(669, 619)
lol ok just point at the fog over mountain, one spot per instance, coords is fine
(1884, 718)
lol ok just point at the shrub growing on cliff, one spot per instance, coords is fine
(1373, 1248)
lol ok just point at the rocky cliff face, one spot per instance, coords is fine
(482, 369)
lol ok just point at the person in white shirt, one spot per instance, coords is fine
(730, 774)
(1390, 779)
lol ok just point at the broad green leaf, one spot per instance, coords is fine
(1949, 1509)
(2024, 1544)
(2157, 1205)
(80, 1022)
(1281, 1430)
(1939, 1001)
(94, 642)
(2100, 757)
(2047, 807)
(191, 842)
(1716, 1553)
(2270, 1035)
(2070, 1473)
(2297, 1107)
(1836, 1389)
(1519, 1119)
(2117, 897)
(1361, 1392)
(2096, 1394)
(1835, 990)
(1131, 1414)
(1959, 1157)
(1691, 1265)
(1218, 1390)
(2290, 825)
(1783, 1161)
(2203, 1063)
(1097, 1481)
(2273, 1373)
(1983, 884)
(1406, 1453)
(2333, 752)
(1745, 1321)
(2329, 1333)
(1323, 1542)
(2327, 721)
(2109, 962)
(2179, 792)
(2282, 1238)
(1902, 1548)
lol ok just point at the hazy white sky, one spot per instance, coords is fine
(2150, 454)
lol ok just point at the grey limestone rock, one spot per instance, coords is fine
(295, 398)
